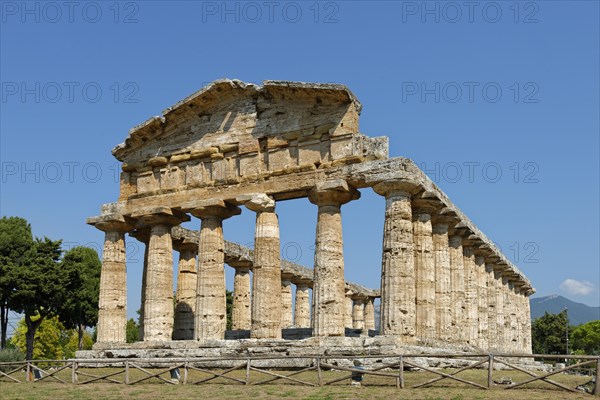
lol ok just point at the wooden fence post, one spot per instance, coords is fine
(247, 371)
(597, 386)
(319, 372)
(401, 372)
(28, 372)
(490, 370)
(73, 372)
(126, 372)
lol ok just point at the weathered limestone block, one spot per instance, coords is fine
(211, 313)
(471, 303)
(369, 314)
(241, 311)
(158, 293)
(266, 272)
(328, 289)
(398, 266)
(492, 313)
(185, 307)
(302, 306)
(482, 303)
(457, 282)
(349, 309)
(443, 300)
(358, 313)
(112, 304)
(425, 274)
(287, 316)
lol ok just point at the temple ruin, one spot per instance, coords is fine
(235, 145)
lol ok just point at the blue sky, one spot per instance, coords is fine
(497, 101)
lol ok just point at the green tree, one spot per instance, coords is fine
(42, 287)
(52, 339)
(132, 331)
(16, 242)
(80, 309)
(548, 333)
(586, 338)
(229, 308)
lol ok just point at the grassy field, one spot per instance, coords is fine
(374, 387)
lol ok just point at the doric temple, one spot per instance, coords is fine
(234, 144)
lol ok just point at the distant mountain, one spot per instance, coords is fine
(578, 313)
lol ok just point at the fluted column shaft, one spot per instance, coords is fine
(112, 302)
(509, 316)
(528, 345)
(398, 311)
(302, 307)
(369, 314)
(158, 305)
(211, 317)
(348, 310)
(443, 300)
(457, 282)
(500, 338)
(425, 275)
(186, 294)
(328, 284)
(482, 303)
(492, 311)
(471, 303)
(358, 314)
(287, 313)
(241, 313)
(266, 273)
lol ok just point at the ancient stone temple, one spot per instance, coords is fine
(233, 146)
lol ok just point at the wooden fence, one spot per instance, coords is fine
(168, 370)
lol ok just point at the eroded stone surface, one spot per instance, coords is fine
(234, 143)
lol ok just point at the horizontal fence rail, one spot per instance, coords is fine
(250, 372)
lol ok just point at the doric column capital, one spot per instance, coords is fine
(257, 202)
(334, 193)
(111, 222)
(184, 244)
(425, 207)
(395, 188)
(214, 208)
(158, 216)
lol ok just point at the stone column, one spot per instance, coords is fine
(158, 292)
(518, 343)
(211, 313)
(348, 310)
(492, 313)
(499, 339)
(482, 303)
(358, 313)
(509, 315)
(528, 345)
(266, 273)
(186, 291)
(302, 306)
(112, 302)
(241, 316)
(287, 313)
(424, 272)
(457, 282)
(369, 314)
(328, 286)
(397, 267)
(471, 303)
(443, 300)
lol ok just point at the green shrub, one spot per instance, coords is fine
(10, 355)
